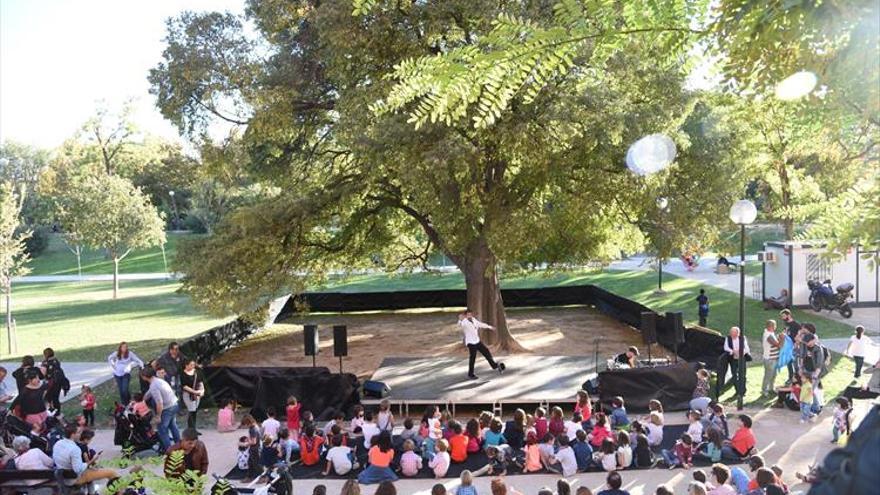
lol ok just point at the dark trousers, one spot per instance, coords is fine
(703, 320)
(89, 416)
(740, 386)
(53, 394)
(191, 419)
(472, 349)
(860, 361)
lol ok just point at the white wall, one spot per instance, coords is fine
(867, 282)
(776, 274)
(842, 271)
(800, 292)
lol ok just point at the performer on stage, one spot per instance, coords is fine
(629, 357)
(470, 327)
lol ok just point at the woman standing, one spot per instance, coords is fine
(27, 363)
(55, 379)
(858, 347)
(193, 390)
(122, 362)
(31, 399)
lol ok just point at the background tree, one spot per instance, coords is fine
(110, 134)
(347, 186)
(13, 256)
(108, 212)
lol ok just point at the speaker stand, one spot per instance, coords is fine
(314, 361)
(650, 364)
(676, 350)
(340, 365)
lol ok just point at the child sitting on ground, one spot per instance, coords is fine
(716, 419)
(619, 419)
(573, 426)
(440, 462)
(475, 440)
(497, 460)
(339, 458)
(606, 456)
(654, 429)
(384, 418)
(541, 424)
(458, 443)
(556, 426)
(467, 484)
(410, 462)
(711, 449)
(533, 454)
(410, 432)
(225, 415)
(680, 455)
(288, 445)
(695, 428)
(565, 457)
(548, 449)
(310, 446)
(654, 406)
(583, 453)
(243, 458)
(356, 425)
(624, 451)
(583, 407)
(642, 455)
(270, 454)
(494, 435)
(338, 419)
(432, 430)
(599, 432)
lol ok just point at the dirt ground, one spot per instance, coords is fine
(567, 331)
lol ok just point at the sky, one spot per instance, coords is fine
(59, 57)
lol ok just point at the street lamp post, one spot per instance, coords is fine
(662, 204)
(174, 207)
(742, 213)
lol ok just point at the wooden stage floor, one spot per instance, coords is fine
(443, 379)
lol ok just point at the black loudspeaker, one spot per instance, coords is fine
(376, 389)
(649, 327)
(677, 323)
(310, 339)
(340, 340)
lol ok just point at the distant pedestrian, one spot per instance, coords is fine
(857, 348)
(703, 307)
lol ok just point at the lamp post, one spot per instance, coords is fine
(742, 213)
(174, 207)
(662, 204)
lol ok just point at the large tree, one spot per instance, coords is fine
(349, 181)
(13, 255)
(108, 212)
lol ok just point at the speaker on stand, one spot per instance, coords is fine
(340, 343)
(648, 327)
(676, 321)
(310, 341)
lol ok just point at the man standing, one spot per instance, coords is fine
(736, 346)
(703, 307)
(166, 404)
(771, 344)
(792, 328)
(172, 362)
(470, 328)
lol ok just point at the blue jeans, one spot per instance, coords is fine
(669, 457)
(728, 452)
(168, 423)
(122, 384)
(835, 433)
(806, 411)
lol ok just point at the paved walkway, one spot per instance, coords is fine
(79, 374)
(703, 273)
(106, 277)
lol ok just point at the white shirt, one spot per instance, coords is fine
(571, 429)
(270, 427)
(695, 430)
(655, 434)
(123, 366)
(67, 455)
(724, 489)
(470, 327)
(369, 430)
(566, 458)
(383, 420)
(733, 350)
(626, 452)
(34, 459)
(859, 347)
(770, 351)
(339, 457)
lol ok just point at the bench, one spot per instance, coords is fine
(21, 481)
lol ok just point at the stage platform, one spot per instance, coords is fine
(528, 379)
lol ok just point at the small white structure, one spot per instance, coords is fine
(789, 264)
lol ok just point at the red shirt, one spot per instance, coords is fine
(743, 440)
(474, 444)
(586, 411)
(557, 427)
(600, 433)
(89, 400)
(541, 428)
(458, 447)
(293, 417)
(310, 449)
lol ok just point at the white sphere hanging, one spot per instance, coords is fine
(651, 154)
(796, 86)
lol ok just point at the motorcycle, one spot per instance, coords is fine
(823, 296)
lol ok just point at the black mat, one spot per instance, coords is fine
(474, 462)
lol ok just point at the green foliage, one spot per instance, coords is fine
(13, 252)
(37, 242)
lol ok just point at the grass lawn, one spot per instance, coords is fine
(82, 322)
(58, 260)
(636, 285)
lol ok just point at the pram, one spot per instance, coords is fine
(12, 426)
(134, 432)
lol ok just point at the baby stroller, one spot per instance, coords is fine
(12, 426)
(278, 482)
(134, 432)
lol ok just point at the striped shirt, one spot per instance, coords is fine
(771, 351)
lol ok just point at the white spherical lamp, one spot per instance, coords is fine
(743, 212)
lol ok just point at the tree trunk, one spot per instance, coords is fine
(484, 296)
(785, 199)
(9, 315)
(79, 268)
(115, 277)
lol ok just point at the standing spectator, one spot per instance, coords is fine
(31, 399)
(122, 362)
(56, 382)
(857, 348)
(88, 404)
(195, 456)
(771, 344)
(67, 455)
(5, 396)
(21, 380)
(166, 405)
(192, 390)
(737, 347)
(172, 362)
(614, 482)
(792, 328)
(703, 307)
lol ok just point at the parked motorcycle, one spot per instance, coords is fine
(823, 296)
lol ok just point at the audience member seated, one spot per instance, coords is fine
(67, 455)
(743, 441)
(195, 455)
(29, 458)
(614, 482)
(781, 301)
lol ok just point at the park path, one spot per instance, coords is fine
(79, 374)
(703, 273)
(103, 277)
